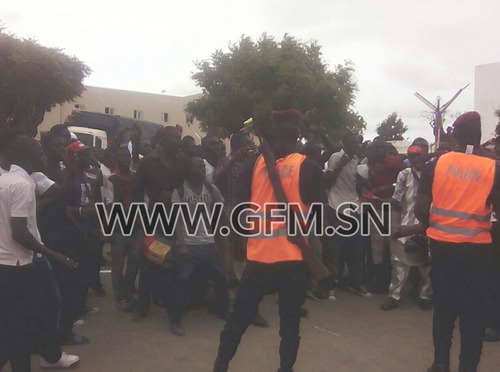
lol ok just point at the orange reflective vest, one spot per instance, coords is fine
(461, 186)
(269, 243)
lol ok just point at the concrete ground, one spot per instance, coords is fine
(349, 334)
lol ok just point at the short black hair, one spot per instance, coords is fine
(21, 149)
(7, 138)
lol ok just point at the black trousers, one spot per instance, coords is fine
(27, 315)
(165, 284)
(73, 285)
(461, 276)
(291, 282)
(494, 313)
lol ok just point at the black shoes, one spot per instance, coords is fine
(359, 290)
(389, 304)
(438, 368)
(177, 329)
(425, 304)
(259, 321)
(492, 335)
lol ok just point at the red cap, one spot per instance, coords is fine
(75, 147)
(471, 118)
(414, 149)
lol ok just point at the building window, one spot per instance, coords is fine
(138, 114)
(109, 110)
(79, 106)
(164, 117)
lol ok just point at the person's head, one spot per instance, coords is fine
(123, 158)
(145, 147)
(77, 157)
(352, 144)
(196, 170)
(285, 130)
(53, 145)
(213, 148)
(417, 155)
(109, 156)
(7, 137)
(26, 153)
(422, 142)
(188, 145)
(168, 143)
(378, 149)
(240, 140)
(98, 154)
(61, 130)
(467, 130)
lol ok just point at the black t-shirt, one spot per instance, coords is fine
(154, 178)
(123, 188)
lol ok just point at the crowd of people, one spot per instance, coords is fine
(51, 241)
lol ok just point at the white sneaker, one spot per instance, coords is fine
(66, 361)
(79, 322)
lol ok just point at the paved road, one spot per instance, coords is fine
(349, 334)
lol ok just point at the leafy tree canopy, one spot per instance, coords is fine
(392, 128)
(33, 79)
(254, 78)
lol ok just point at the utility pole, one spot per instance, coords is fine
(438, 110)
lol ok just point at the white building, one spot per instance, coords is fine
(157, 108)
(487, 97)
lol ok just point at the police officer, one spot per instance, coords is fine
(274, 263)
(456, 198)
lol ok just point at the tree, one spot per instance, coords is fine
(33, 79)
(254, 78)
(392, 128)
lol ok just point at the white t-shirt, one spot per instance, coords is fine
(192, 199)
(42, 182)
(17, 199)
(209, 171)
(344, 188)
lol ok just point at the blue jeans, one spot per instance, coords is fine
(121, 247)
(204, 261)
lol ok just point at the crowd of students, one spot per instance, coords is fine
(169, 169)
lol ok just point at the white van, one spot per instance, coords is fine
(91, 137)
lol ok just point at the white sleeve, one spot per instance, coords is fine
(400, 190)
(22, 197)
(174, 198)
(42, 182)
(333, 161)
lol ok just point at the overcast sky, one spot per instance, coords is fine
(398, 47)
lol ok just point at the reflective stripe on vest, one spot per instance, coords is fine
(461, 186)
(457, 231)
(461, 215)
(271, 245)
